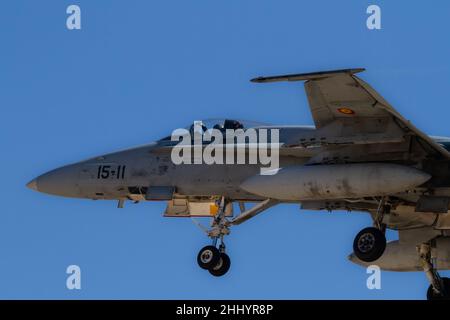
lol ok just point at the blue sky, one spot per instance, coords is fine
(138, 69)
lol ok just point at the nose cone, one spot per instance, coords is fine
(32, 185)
(61, 182)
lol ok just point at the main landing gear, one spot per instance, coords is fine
(439, 288)
(370, 243)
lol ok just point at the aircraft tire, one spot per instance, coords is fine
(431, 295)
(208, 257)
(369, 244)
(222, 266)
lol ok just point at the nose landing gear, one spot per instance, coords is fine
(213, 257)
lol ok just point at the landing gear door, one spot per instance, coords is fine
(187, 209)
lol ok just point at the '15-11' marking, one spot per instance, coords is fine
(105, 172)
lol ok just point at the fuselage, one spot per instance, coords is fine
(129, 173)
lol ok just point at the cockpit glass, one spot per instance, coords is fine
(222, 124)
(443, 141)
(228, 124)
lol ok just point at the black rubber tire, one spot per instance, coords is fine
(375, 244)
(208, 257)
(431, 295)
(222, 266)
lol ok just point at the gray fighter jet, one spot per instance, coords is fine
(361, 155)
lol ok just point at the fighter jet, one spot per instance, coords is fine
(361, 155)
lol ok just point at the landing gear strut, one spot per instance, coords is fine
(439, 288)
(370, 243)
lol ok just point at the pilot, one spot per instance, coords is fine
(233, 124)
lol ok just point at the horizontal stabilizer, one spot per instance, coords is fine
(305, 76)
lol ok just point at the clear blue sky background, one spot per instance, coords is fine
(138, 69)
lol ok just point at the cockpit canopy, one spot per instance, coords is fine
(443, 141)
(228, 124)
(222, 124)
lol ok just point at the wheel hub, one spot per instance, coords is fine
(219, 264)
(366, 242)
(206, 256)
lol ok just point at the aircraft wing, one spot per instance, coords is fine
(344, 105)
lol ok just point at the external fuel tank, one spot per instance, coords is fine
(337, 181)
